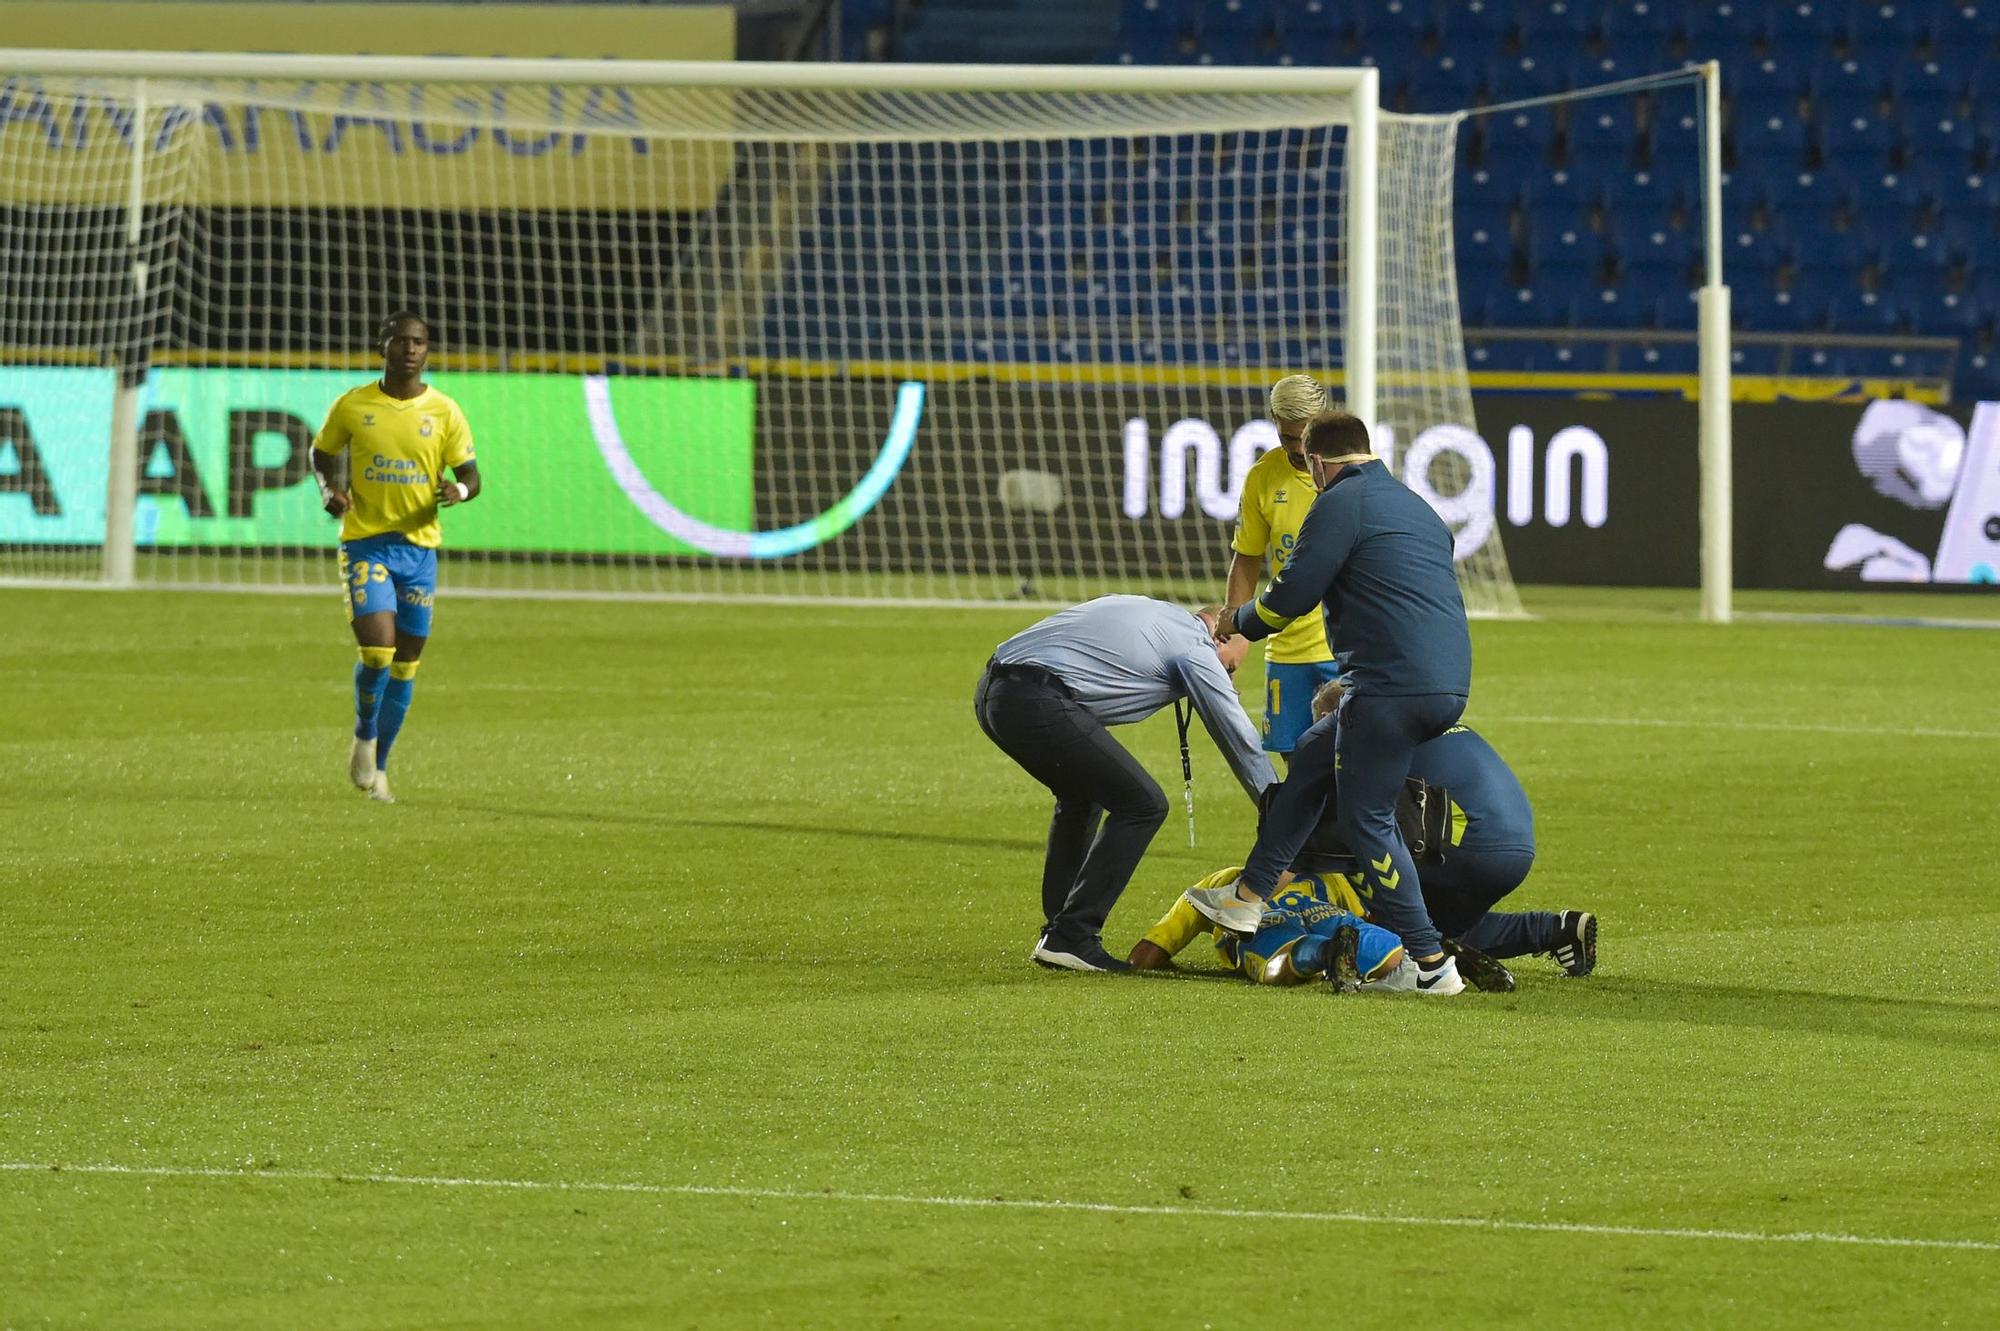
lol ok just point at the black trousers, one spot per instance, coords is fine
(1107, 807)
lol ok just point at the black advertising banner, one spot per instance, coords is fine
(1111, 479)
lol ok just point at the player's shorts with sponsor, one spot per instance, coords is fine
(387, 572)
(1288, 700)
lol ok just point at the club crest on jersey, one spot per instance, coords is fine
(424, 426)
(1278, 498)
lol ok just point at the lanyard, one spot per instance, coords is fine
(1182, 715)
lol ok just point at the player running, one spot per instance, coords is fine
(398, 435)
(1277, 493)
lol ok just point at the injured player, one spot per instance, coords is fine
(1471, 831)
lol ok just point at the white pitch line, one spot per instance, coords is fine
(1016, 1204)
(1779, 727)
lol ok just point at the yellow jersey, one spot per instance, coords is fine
(397, 450)
(1276, 498)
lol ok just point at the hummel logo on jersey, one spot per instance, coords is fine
(367, 418)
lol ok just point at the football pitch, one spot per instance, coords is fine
(687, 986)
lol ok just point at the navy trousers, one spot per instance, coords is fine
(1107, 806)
(1362, 755)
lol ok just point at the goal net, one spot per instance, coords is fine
(718, 330)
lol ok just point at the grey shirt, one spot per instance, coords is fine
(1126, 657)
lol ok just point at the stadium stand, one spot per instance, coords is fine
(1859, 145)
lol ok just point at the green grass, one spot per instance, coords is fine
(737, 897)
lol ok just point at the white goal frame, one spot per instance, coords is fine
(1360, 87)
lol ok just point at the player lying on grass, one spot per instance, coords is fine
(1478, 847)
(1312, 929)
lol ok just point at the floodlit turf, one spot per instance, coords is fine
(732, 904)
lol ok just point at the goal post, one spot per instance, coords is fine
(721, 329)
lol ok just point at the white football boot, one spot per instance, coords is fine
(378, 789)
(1224, 907)
(361, 764)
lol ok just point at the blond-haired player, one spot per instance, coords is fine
(1277, 494)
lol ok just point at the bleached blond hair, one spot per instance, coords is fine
(1297, 397)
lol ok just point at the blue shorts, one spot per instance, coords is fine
(1288, 701)
(386, 572)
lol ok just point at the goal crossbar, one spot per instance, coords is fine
(742, 75)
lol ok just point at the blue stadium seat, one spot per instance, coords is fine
(1847, 87)
(1674, 145)
(1150, 46)
(1661, 358)
(1892, 26)
(1252, 18)
(1746, 249)
(1555, 18)
(1580, 191)
(1312, 20)
(1489, 184)
(1915, 255)
(1234, 48)
(1777, 143)
(1852, 310)
(1533, 307)
(1858, 142)
(1948, 314)
(1482, 234)
(1763, 309)
(1651, 195)
(1449, 83)
(1755, 359)
(1505, 356)
(1603, 133)
(1512, 77)
(1969, 191)
(1925, 90)
(1829, 259)
(1171, 16)
(1953, 141)
(1617, 306)
(1393, 50)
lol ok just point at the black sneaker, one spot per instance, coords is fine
(1342, 974)
(1575, 947)
(1060, 954)
(1480, 971)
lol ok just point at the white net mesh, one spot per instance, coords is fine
(711, 342)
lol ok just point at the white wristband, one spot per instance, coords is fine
(463, 493)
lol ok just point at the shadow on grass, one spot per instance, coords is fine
(871, 834)
(1970, 1025)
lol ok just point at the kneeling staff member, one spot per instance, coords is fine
(1046, 698)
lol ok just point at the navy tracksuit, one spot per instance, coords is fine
(1377, 560)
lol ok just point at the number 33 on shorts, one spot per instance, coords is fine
(362, 577)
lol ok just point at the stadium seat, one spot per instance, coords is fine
(1310, 20)
(1662, 358)
(1253, 18)
(1172, 17)
(1776, 143)
(1892, 26)
(1532, 307)
(1603, 133)
(1617, 306)
(1763, 309)
(1234, 48)
(1859, 143)
(1916, 255)
(1483, 235)
(1925, 90)
(1449, 83)
(1847, 87)
(1753, 359)
(1513, 77)
(1853, 310)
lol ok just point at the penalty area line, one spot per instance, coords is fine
(1008, 1204)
